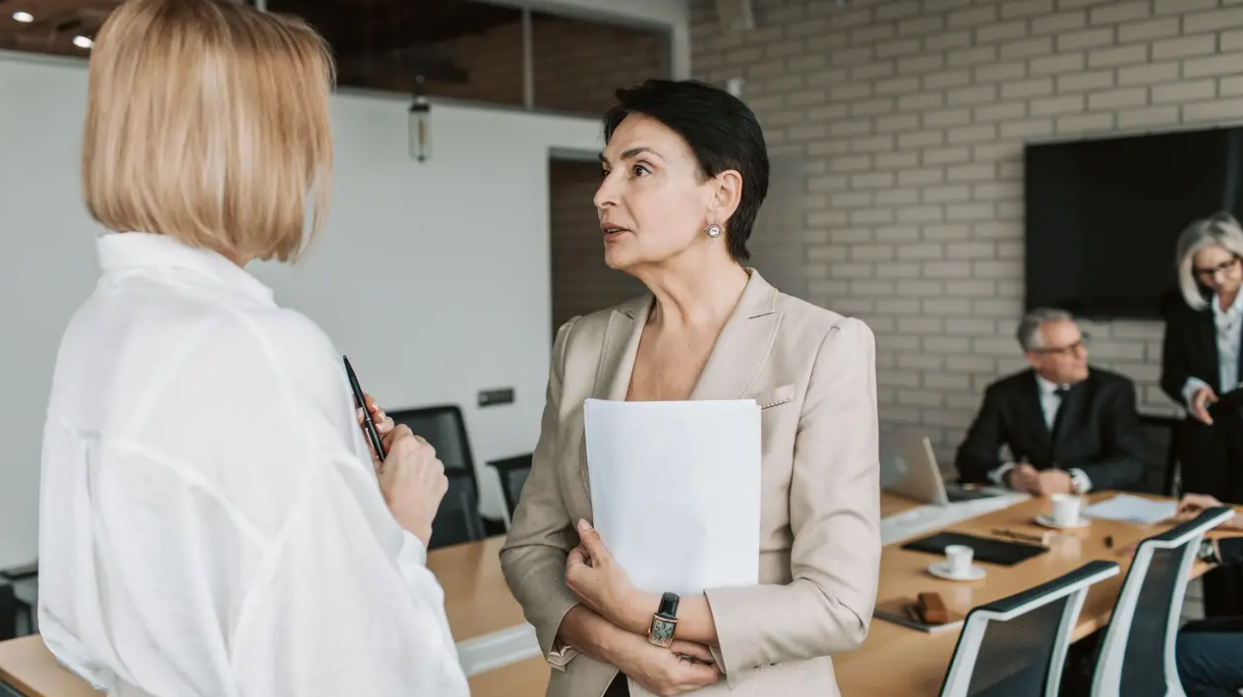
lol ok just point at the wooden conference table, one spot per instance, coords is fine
(893, 661)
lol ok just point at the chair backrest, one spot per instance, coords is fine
(445, 428)
(1136, 657)
(8, 612)
(1016, 646)
(1161, 448)
(458, 518)
(513, 473)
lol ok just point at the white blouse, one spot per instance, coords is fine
(210, 521)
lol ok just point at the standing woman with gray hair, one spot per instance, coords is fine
(1201, 360)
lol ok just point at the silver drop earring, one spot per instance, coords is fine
(714, 230)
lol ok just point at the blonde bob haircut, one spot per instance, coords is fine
(1218, 229)
(207, 121)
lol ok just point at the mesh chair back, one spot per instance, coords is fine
(1143, 668)
(1016, 646)
(458, 518)
(1014, 656)
(1161, 453)
(513, 473)
(8, 612)
(1136, 657)
(445, 428)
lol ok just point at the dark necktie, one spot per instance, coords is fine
(1060, 393)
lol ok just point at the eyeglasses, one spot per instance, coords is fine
(1223, 267)
(1072, 349)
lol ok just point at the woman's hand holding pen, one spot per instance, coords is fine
(411, 478)
(413, 481)
(383, 424)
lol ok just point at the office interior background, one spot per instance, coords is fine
(897, 131)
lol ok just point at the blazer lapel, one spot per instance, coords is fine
(1206, 330)
(621, 345)
(743, 345)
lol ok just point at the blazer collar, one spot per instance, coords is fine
(737, 356)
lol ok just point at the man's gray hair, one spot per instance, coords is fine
(1029, 327)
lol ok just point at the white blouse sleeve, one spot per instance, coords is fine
(263, 531)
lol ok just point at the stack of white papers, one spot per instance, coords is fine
(675, 490)
(1132, 509)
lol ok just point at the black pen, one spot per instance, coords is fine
(361, 401)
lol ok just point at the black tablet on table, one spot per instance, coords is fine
(987, 550)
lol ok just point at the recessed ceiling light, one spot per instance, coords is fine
(23, 17)
(82, 42)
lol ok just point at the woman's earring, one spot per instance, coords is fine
(714, 230)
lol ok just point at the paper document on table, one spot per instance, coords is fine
(675, 490)
(1132, 509)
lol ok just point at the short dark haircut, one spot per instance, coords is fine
(722, 133)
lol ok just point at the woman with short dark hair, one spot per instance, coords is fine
(685, 171)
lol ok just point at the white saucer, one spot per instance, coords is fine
(941, 569)
(1047, 521)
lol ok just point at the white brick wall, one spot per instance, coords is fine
(912, 115)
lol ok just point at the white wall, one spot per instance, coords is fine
(433, 277)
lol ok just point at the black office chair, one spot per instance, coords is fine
(1136, 656)
(445, 428)
(1016, 646)
(458, 518)
(8, 612)
(513, 473)
(1161, 435)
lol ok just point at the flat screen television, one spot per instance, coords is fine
(1103, 216)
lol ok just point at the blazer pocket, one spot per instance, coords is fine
(775, 397)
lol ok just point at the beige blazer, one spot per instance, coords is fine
(813, 373)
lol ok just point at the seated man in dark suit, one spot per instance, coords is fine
(1069, 427)
(1210, 652)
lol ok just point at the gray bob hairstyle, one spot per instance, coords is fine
(1218, 229)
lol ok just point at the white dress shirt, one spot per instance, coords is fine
(1229, 325)
(1050, 403)
(210, 520)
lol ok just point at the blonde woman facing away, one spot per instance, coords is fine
(684, 173)
(212, 521)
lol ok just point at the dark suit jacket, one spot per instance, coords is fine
(1190, 350)
(1231, 549)
(1099, 430)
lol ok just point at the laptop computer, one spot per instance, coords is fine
(909, 468)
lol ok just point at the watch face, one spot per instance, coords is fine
(662, 632)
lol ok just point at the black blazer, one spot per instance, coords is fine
(1099, 430)
(1190, 350)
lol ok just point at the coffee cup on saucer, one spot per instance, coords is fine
(1065, 513)
(1066, 509)
(957, 565)
(958, 559)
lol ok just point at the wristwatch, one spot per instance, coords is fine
(1208, 552)
(664, 621)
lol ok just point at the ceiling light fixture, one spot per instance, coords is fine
(420, 124)
(23, 17)
(83, 42)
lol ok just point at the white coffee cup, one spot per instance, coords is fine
(1066, 509)
(959, 557)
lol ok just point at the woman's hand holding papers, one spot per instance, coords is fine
(601, 583)
(603, 586)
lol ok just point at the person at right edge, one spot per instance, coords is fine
(1201, 360)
